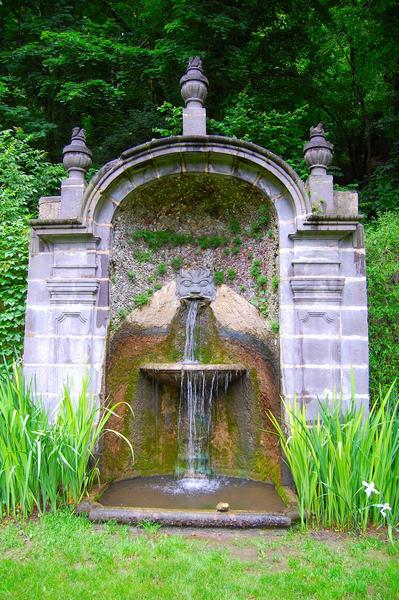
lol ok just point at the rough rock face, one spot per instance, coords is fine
(235, 313)
(159, 312)
(232, 312)
(210, 222)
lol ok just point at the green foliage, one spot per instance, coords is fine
(162, 269)
(260, 301)
(275, 326)
(218, 277)
(111, 66)
(331, 459)
(256, 268)
(172, 118)
(235, 226)
(143, 256)
(46, 463)
(162, 237)
(261, 222)
(122, 313)
(261, 280)
(207, 242)
(382, 260)
(64, 555)
(237, 243)
(132, 276)
(231, 274)
(281, 132)
(176, 263)
(381, 192)
(142, 299)
(275, 282)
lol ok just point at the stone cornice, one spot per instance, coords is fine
(317, 289)
(72, 291)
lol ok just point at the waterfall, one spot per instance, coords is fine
(189, 346)
(195, 419)
(196, 393)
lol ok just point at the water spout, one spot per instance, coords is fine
(190, 345)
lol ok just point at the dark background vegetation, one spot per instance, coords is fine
(275, 68)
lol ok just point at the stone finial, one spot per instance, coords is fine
(77, 157)
(194, 84)
(77, 160)
(318, 151)
(194, 89)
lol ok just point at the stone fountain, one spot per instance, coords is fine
(199, 366)
(199, 383)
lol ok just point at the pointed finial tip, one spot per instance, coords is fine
(78, 133)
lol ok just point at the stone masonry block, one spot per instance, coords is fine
(354, 322)
(355, 352)
(355, 293)
(40, 265)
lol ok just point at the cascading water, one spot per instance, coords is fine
(195, 410)
(199, 385)
(189, 346)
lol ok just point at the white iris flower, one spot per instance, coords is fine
(370, 488)
(384, 508)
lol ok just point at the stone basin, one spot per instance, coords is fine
(169, 372)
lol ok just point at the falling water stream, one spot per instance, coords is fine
(195, 410)
(189, 346)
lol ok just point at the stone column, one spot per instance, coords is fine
(324, 346)
(318, 154)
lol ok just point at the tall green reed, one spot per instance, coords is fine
(331, 458)
(45, 463)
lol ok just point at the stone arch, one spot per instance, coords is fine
(322, 287)
(173, 156)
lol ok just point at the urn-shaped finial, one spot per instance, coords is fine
(77, 157)
(318, 151)
(194, 84)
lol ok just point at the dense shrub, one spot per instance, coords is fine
(382, 259)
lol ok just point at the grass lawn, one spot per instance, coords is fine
(64, 556)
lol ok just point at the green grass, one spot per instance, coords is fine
(64, 556)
